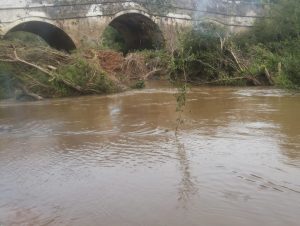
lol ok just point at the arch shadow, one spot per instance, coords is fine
(138, 31)
(53, 35)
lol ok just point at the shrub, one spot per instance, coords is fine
(5, 82)
(276, 41)
(83, 74)
(113, 40)
(139, 85)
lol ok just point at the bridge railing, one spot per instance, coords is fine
(242, 9)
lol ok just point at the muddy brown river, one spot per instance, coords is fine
(115, 160)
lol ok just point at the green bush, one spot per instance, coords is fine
(275, 41)
(203, 54)
(50, 73)
(6, 83)
(85, 75)
(113, 40)
(26, 37)
(139, 85)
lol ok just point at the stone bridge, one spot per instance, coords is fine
(68, 24)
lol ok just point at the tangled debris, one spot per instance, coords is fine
(41, 72)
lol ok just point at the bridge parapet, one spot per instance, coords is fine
(228, 12)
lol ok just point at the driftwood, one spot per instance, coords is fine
(236, 60)
(249, 78)
(134, 66)
(51, 67)
(37, 82)
(254, 81)
(268, 76)
(279, 68)
(26, 92)
(206, 64)
(16, 58)
(222, 41)
(151, 73)
(215, 81)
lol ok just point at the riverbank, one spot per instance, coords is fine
(29, 72)
(266, 55)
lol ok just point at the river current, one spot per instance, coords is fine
(115, 160)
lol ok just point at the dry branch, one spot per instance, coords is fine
(236, 60)
(28, 93)
(248, 78)
(151, 73)
(268, 76)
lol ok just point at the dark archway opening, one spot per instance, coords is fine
(132, 32)
(52, 35)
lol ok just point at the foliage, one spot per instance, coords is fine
(206, 55)
(282, 23)
(275, 43)
(157, 58)
(25, 37)
(85, 75)
(41, 72)
(6, 83)
(113, 40)
(139, 85)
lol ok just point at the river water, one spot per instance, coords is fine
(115, 160)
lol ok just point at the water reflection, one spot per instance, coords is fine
(187, 186)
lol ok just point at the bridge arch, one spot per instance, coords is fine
(138, 30)
(53, 35)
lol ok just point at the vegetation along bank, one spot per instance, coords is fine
(267, 54)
